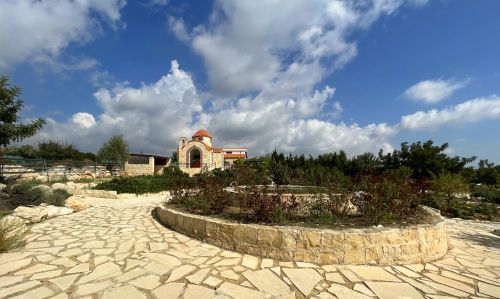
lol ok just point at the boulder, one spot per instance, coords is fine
(31, 214)
(76, 204)
(59, 186)
(39, 213)
(53, 211)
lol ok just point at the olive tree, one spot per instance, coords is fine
(10, 106)
(114, 152)
(448, 186)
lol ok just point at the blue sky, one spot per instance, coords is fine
(301, 76)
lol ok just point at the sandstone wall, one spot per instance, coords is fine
(140, 169)
(384, 246)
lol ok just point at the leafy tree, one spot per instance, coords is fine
(364, 164)
(447, 186)
(488, 173)
(52, 150)
(113, 152)
(10, 105)
(425, 159)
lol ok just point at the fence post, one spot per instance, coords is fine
(44, 168)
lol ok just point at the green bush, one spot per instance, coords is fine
(487, 193)
(39, 194)
(58, 198)
(143, 184)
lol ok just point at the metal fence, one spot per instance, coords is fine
(12, 166)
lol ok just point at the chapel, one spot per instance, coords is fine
(199, 155)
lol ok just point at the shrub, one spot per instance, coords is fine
(39, 194)
(486, 193)
(338, 202)
(447, 186)
(58, 198)
(210, 198)
(386, 198)
(144, 183)
(279, 173)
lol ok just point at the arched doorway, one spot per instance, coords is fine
(194, 158)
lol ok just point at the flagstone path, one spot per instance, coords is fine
(116, 249)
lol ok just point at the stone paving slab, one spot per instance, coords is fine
(116, 249)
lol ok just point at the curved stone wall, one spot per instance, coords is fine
(383, 246)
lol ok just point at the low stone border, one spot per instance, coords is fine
(383, 246)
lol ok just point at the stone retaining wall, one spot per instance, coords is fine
(383, 246)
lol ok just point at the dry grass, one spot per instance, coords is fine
(12, 234)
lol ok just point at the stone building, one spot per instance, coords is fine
(139, 164)
(198, 155)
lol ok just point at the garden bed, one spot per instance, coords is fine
(413, 244)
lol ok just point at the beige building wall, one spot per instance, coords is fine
(140, 169)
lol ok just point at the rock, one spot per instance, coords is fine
(76, 204)
(53, 211)
(40, 213)
(3, 187)
(59, 186)
(31, 214)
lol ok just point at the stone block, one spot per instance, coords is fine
(332, 240)
(309, 239)
(355, 255)
(226, 235)
(246, 234)
(308, 256)
(266, 237)
(333, 257)
(211, 229)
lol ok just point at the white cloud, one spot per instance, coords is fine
(178, 28)
(152, 116)
(83, 120)
(101, 78)
(466, 112)
(251, 45)
(267, 60)
(434, 91)
(39, 30)
(157, 2)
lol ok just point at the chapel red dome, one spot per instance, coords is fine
(202, 133)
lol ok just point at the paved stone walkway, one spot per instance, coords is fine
(116, 249)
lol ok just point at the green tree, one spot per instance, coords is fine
(447, 187)
(424, 159)
(114, 152)
(10, 105)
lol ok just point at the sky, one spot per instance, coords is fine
(301, 76)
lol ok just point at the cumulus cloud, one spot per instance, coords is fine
(83, 120)
(154, 116)
(251, 45)
(39, 30)
(151, 116)
(470, 111)
(178, 28)
(265, 61)
(434, 91)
